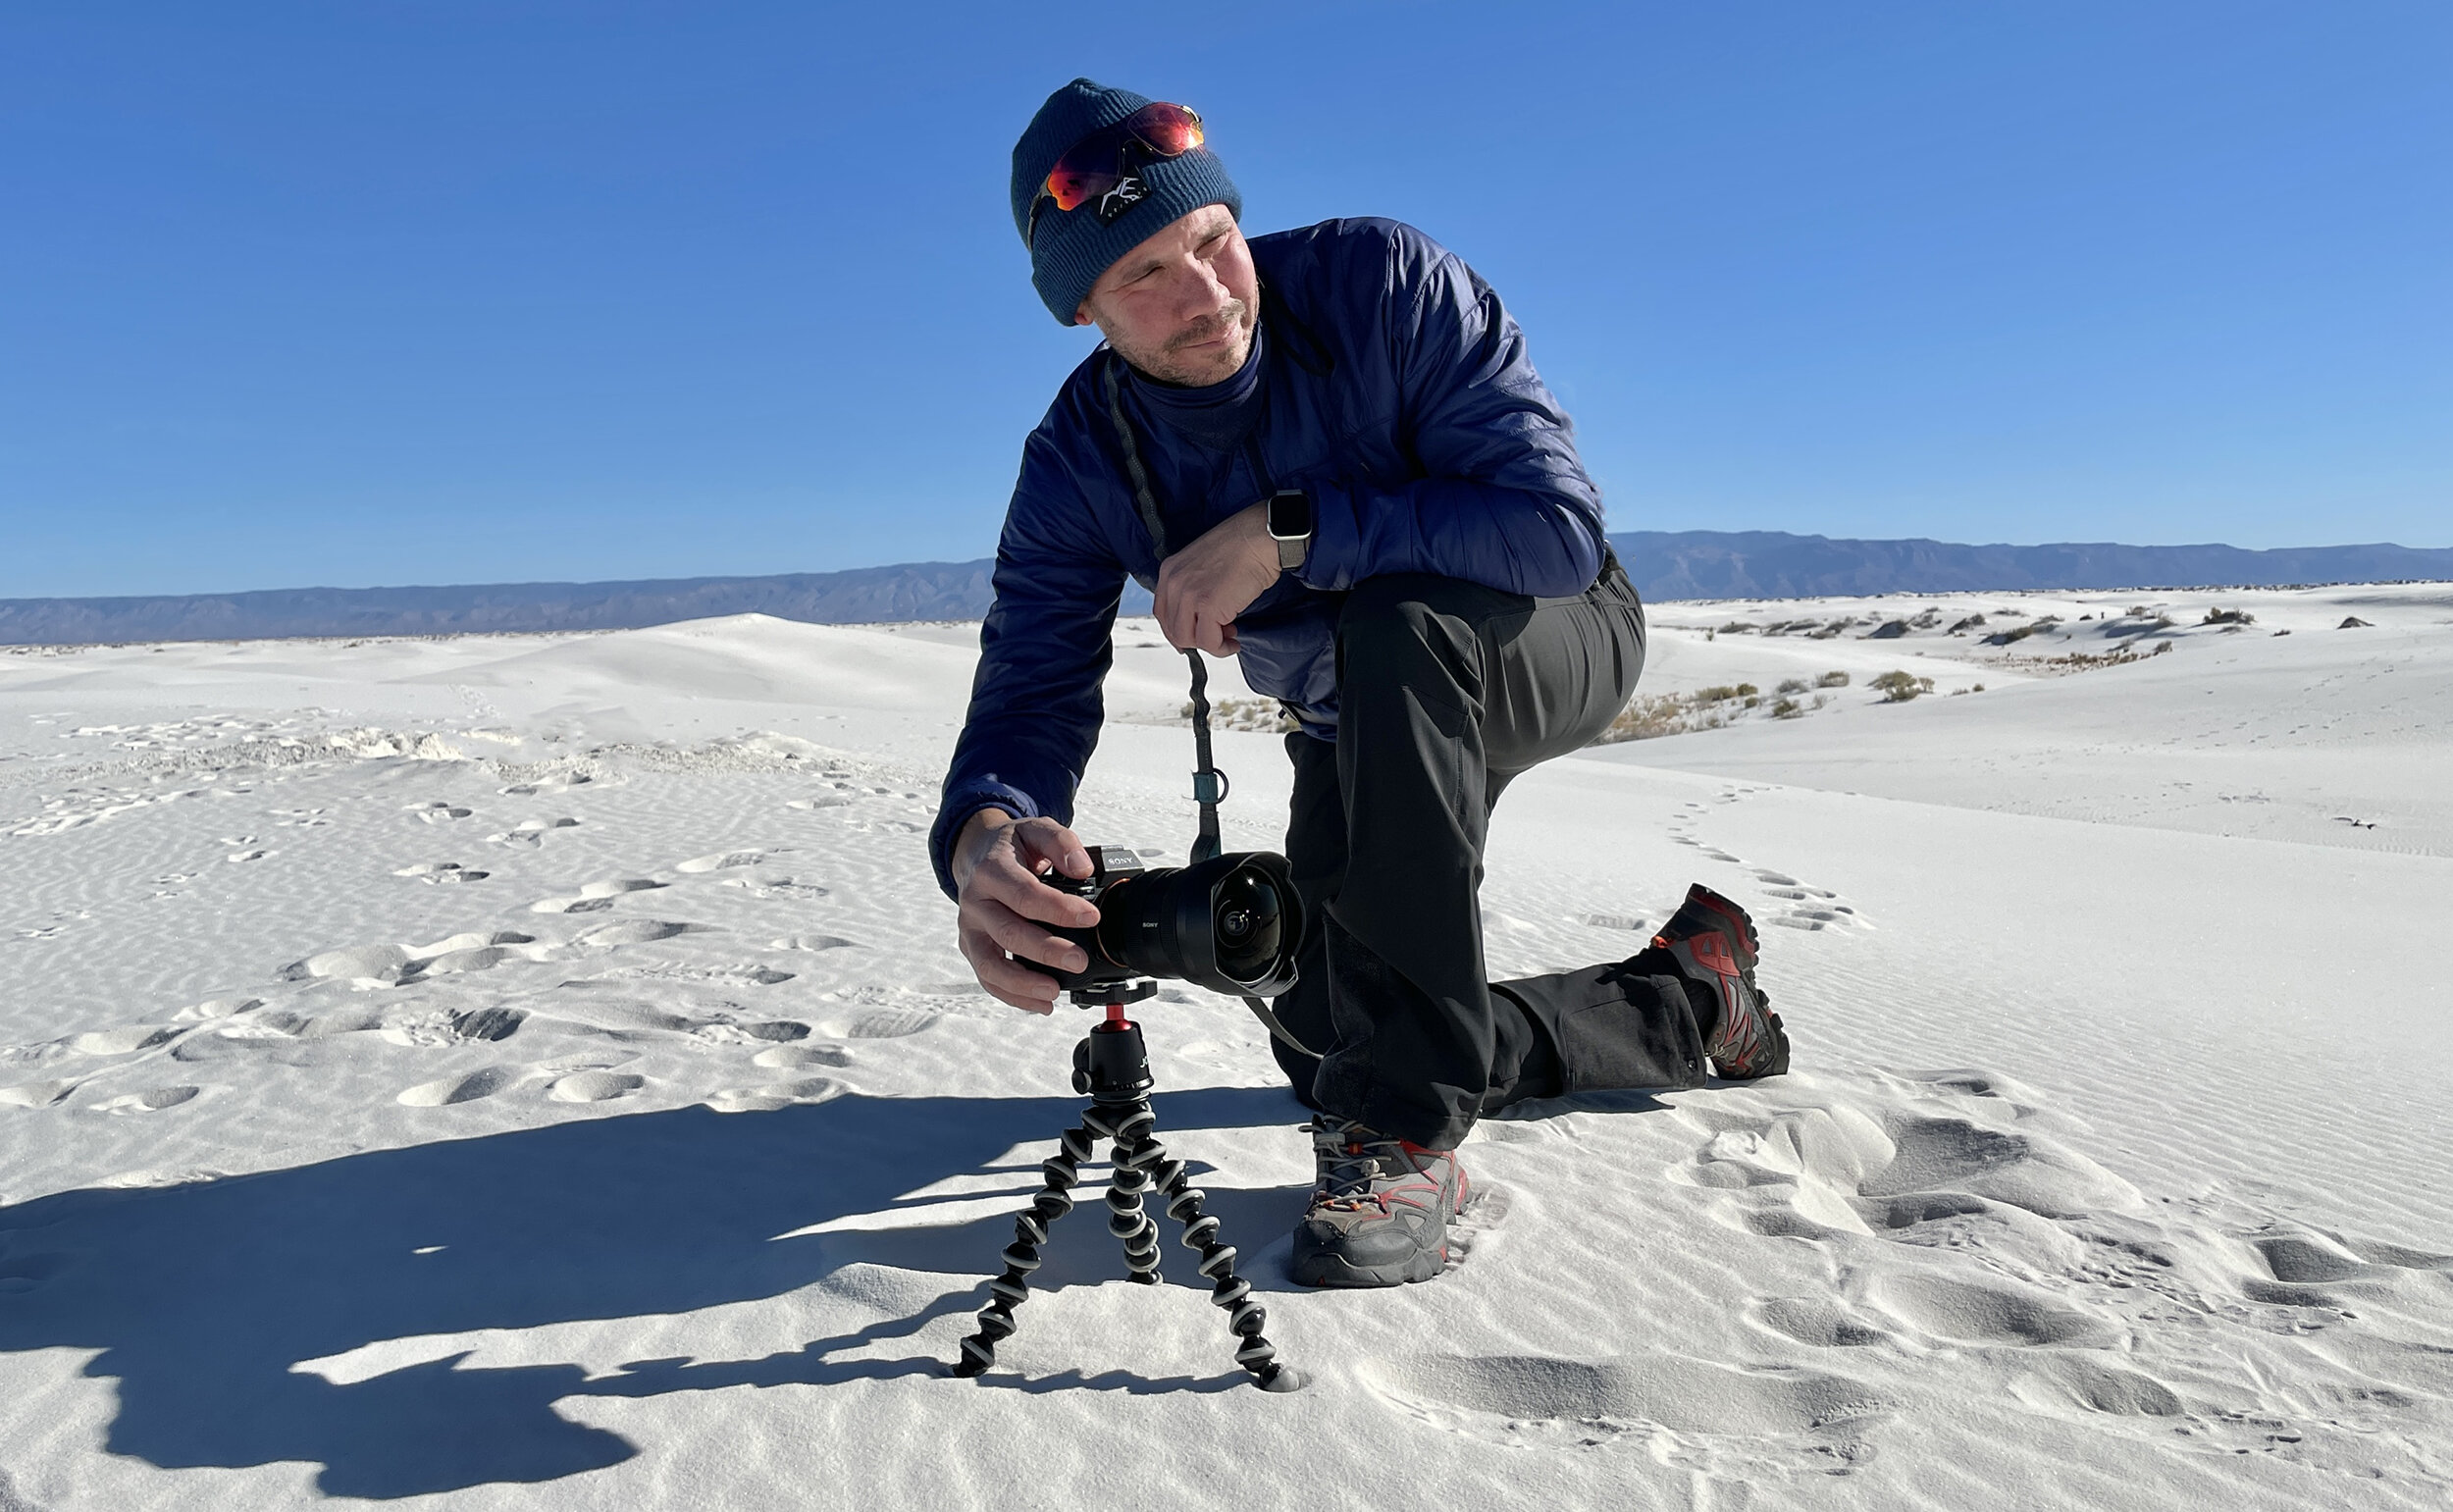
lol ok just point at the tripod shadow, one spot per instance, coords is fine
(202, 1299)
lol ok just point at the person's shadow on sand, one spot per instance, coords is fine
(204, 1297)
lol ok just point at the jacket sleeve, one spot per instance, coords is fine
(1505, 502)
(1044, 651)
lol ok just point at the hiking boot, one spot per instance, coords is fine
(1379, 1209)
(1714, 944)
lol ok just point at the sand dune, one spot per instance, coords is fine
(536, 1072)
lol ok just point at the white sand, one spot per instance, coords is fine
(536, 1072)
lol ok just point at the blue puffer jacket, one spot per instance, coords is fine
(1389, 384)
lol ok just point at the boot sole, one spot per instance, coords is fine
(1335, 1269)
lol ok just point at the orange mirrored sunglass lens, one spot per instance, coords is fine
(1091, 166)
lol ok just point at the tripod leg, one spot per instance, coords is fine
(1022, 1257)
(1129, 1127)
(1244, 1317)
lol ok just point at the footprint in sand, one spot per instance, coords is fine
(35, 1094)
(467, 1088)
(442, 871)
(594, 1086)
(721, 860)
(217, 1007)
(631, 931)
(595, 897)
(777, 1032)
(124, 1041)
(152, 1101)
(1626, 921)
(1982, 1312)
(1799, 1419)
(885, 1024)
(812, 942)
(438, 811)
(790, 1057)
(776, 1095)
(493, 1025)
(1816, 1321)
(529, 831)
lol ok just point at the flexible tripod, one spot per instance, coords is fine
(1113, 1065)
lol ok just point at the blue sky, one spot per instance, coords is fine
(352, 294)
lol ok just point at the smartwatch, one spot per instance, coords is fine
(1291, 526)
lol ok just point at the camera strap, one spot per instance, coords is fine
(1209, 784)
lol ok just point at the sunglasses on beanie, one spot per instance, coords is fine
(1100, 165)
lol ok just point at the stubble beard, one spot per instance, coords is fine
(1172, 364)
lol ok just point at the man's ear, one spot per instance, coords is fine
(1081, 316)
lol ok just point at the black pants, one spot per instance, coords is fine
(1447, 690)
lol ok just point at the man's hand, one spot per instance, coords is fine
(1206, 585)
(1001, 903)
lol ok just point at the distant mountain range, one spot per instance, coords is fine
(1664, 565)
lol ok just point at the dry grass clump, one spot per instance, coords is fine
(1832, 680)
(1267, 715)
(1899, 687)
(1649, 716)
(2229, 617)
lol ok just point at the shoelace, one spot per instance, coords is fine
(1357, 1165)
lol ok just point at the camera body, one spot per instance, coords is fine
(1232, 923)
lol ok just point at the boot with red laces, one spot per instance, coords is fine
(1380, 1210)
(1714, 944)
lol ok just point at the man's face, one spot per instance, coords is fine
(1181, 305)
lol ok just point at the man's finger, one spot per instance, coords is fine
(1027, 940)
(1006, 982)
(1049, 841)
(1026, 896)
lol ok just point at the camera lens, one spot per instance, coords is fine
(1230, 923)
(1248, 914)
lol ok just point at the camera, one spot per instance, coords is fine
(1232, 923)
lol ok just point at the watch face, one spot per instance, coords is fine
(1291, 515)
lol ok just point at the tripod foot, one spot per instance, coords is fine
(1281, 1377)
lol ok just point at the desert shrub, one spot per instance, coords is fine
(1678, 713)
(2229, 617)
(1787, 708)
(1799, 684)
(1832, 680)
(1737, 627)
(1927, 618)
(1899, 687)
(1263, 715)
(1889, 631)
(2014, 633)
(1977, 688)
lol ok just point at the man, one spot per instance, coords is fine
(1325, 453)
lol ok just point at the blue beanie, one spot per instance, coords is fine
(1073, 248)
